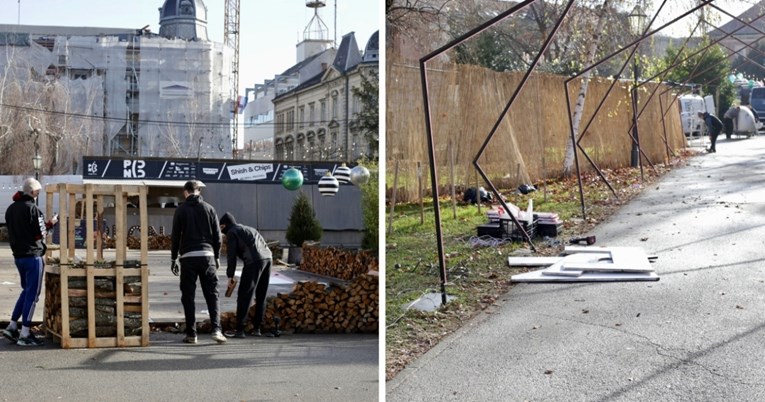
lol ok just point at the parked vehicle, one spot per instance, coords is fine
(757, 103)
(690, 106)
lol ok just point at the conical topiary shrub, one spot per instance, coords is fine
(303, 224)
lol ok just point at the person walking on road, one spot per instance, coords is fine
(246, 243)
(196, 238)
(27, 229)
(715, 126)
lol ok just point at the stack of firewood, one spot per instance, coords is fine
(338, 262)
(157, 242)
(104, 301)
(313, 307)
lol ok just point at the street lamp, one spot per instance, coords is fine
(37, 162)
(637, 20)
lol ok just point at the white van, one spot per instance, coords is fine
(690, 106)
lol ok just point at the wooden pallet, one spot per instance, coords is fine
(57, 306)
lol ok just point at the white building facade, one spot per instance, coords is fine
(318, 120)
(135, 93)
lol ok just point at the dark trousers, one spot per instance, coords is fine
(204, 269)
(255, 279)
(728, 126)
(713, 138)
(31, 273)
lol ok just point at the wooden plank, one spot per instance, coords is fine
(89, 251)
(120, 293)
(49, 214)
(91, 306)
(64, 286)
(120, 218)
(63, 227)
(100, 227)
(144, 300)
(71, 224)
(144, 213)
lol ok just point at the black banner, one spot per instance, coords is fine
(205, 170)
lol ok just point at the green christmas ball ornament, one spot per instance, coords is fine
(292, 179)
(359, 175)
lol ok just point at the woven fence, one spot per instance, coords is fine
(530, 142)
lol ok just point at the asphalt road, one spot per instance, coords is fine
(293, 367)
(695, 335)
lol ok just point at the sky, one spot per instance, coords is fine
(270, 29)
(674, 8)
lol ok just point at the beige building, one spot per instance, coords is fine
(318, 120)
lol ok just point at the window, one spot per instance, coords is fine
(300, 150)
(356, 106)
(289, 149)
(301, 116)
(311, 113)
(322, 146)
(290, 123)
(323, 110)
(280, 151)
(280, 123)
(334, 107)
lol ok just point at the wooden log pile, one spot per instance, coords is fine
(156, 242)
(105, 305)
(313, 307)
(338, 262)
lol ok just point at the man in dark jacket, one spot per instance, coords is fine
(714, 125)
(26, 233)
(246, 243)
(196, 238)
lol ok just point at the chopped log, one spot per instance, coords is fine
(338, 262)
(313, 307)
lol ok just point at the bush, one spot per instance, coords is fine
(369, 208)
(303, 224)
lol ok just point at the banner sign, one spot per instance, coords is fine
(205, 170)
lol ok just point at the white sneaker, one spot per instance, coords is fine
(217, 336)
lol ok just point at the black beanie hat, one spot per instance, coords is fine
(228, 220)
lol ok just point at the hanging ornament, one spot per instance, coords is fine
(740, 76)
(328, 185)
(732, 78)
(343, 174)
(292, 179)
(359, 175)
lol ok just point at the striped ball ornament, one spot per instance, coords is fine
(343, 174)
(328, 185)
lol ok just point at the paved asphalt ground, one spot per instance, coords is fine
(288, 368)
(695, 335)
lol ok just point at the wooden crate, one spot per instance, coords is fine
(113, 299)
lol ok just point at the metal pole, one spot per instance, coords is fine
(635, 153)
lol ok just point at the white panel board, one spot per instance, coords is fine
(537, 276)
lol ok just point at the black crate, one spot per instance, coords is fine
(512, 232)
(549, 230)
(490, 229)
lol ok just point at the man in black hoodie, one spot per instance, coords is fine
(26, 233)
(715, 126)
(196, 238)
(246, 243)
